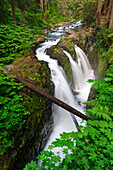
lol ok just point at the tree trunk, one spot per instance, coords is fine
(111, 16)
(13, 11)
(98, 12)
(45, 5)
(41, 4)
(109, 9)
(99, 7)
(105, 8)
(48, 96)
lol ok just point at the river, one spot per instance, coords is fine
(64, 121)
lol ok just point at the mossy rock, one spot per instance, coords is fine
(67, 44)
(39, 39)
(33, 71)
(56, 52)
(77, 36)
(102, 66)
(82, 35)
(98, 63)
(26, 143)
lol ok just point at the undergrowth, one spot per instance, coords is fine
(15, 41)
(12, 112)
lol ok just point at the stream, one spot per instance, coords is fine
(64, 121)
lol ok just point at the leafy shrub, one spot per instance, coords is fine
(12, 112)
(110, 54)
(14, 42)
(104, 38)
(56, 51)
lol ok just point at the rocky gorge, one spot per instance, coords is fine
(32, 139)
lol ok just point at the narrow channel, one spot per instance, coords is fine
(64, 121)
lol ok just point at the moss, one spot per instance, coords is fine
(24, 66)
(102, 66)
(98, 63)
(110, 55)
(33, 71)
(37, 73)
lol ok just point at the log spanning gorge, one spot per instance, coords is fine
(74, 94)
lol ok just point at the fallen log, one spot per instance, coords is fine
(48, 96)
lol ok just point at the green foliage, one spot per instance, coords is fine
(110, 54)
(102, 105)
(104, 39)
(35, 20)
(80, 9)
(94, 143)
(31, 166)
(14, 42)
(4, 12)
(54, 15)
(88, 10)
(12, 112)
(56, 51)
(30, 14)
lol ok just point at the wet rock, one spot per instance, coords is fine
(56, 52)
(98, 63)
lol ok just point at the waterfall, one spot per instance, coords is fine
(64, 121)
(83, 62)
(81, 72)
(78, 79)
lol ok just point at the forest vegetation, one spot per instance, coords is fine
(20, 21)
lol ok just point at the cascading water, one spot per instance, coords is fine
(83, 62)
(64, 121)
(78, 79)
(81, 72)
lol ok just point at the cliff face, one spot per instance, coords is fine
(31, 139)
